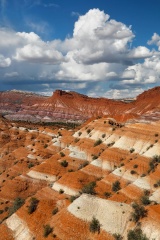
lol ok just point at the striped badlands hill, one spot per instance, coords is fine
(100, 181)
(71, 106)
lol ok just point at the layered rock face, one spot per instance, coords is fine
(71, 106)
(64, 179)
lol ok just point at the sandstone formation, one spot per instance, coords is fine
(55, 181)
(70, 106)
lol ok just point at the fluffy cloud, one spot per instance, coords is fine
(155, 40)
(4, 62)
(39, 54)
(99, 56)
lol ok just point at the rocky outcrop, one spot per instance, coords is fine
(74, 107)
(66, 178)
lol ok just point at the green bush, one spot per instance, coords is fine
(30, 165)
(55, 210)
(89, 188)
(98, 142)
(116, 186)
(64, 163)
(62, 154)
(47, 230)
(18, 202)
(117, 236)
(94, 225)
(88, 131)
(82, 165)
(33, 205)
(132, 150)
(136, 234)
(107, 194)
(138, 212)
(72, 198)
(61, 191)
(145, 200)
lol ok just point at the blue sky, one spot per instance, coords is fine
(99, 48)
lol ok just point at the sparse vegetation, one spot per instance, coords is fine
(55, 210)
(138, 212)
(33, 205)
(89, 188)
(62, 154)
(82, 165)
(103, 135)
(30, 165)
(47, 230)
(64, 163)
(107, 194)
(18, 202)
(98, 142)
(72, 198)
(61, 191)
(117, 236)
(88, 130)
(136, 234)
(132, 150)
(153, 163)
(94, 225)
(133, 172)
(116, 186)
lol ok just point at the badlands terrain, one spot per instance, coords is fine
(97, 181)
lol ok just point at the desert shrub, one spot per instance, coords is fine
(89, 188)
(82, 165)
(70, 170)
(1, 211)
(135, 166)
(61, 191)
(103, 135)
(33, 205)
(145, 200)
(55, 210)
(156, 134)
(72, 198)
(107, 194)
(46, 145)
(136, 234)
(132, 150)
(62, 154)
(138, 212)
(30, 165)
(64, 163)
(94, 157)
(94, 225)
(117, 236)
(18, 202)
(88, 131)
(133, 172)
(116, 186)
(60, 134)
(79, 133)
(153, 163)
(47, 230)
(157, 184)
(98, 142)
